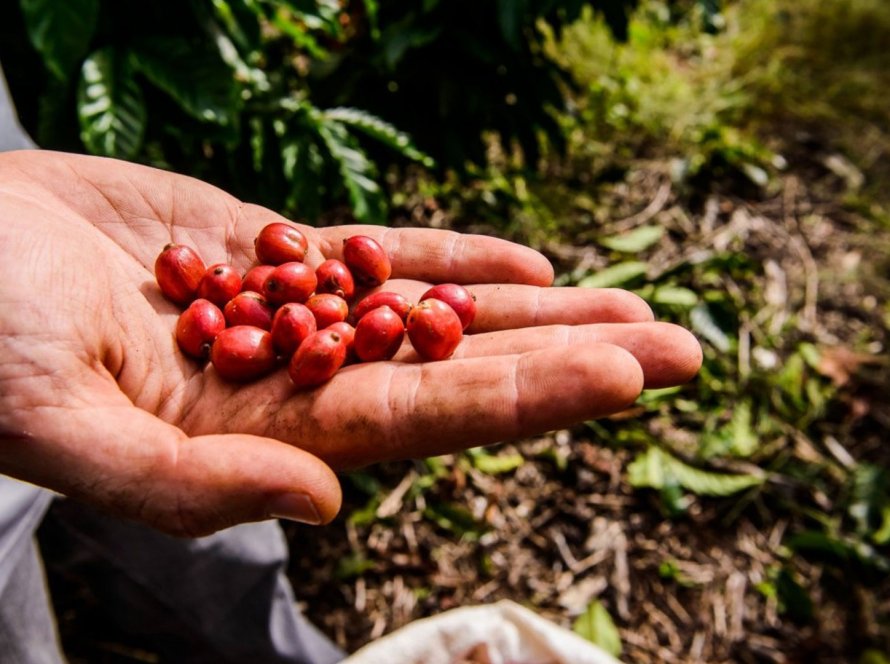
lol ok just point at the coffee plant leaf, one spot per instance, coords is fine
(110, 105)
(61, 31)
(597, 626)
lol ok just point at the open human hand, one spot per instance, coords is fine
(97, 402)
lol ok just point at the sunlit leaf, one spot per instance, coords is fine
(635, 241)
(454, 518)
(110, 105)
(703, 321)
(380, 131)
(675, 296)
(495, 464)
(655, 469)
(358, 173)
(597, 626)
(621, 274)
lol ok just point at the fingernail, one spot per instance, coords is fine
(294, 507)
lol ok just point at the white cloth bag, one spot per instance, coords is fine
(500, 633)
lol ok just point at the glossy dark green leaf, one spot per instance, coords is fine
(380, 131)
(110, 105)
(61, 31)
(193, 74)
(358, 173)
(511, 19)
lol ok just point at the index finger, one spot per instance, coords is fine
(447, 256)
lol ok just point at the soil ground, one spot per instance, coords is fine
(565, 527)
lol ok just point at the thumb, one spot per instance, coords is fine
(221, 480)
(129, 462)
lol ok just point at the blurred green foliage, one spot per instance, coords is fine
(282, 101)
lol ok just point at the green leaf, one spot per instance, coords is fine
(656, 469)
(597, 626)
(737, 437)
(675, 296)
(635, 241)
(304, 168)
(495, 464)
(870, 498)
(193, 75)
(616, 275)
(705, 323)
(372, 10)
(454, 518)
(240, 20)
(357, 172)
(61, 31)
(352, 566)
(321, 15)
(511, 17)
(380, 131)
(794, 601)
(110, 105)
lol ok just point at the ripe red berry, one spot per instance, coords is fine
(367, 260)
(198, 326)
(243, 353)
(249, 308)
(292, 323)
(327, 309)
(395, 301)
(178, 270)
(220, 284)
(434, 329)
(317, 359)
(256, 277)
(334, 277)
(458, 298)
(289, 282)
(280, 243)
(347, 333)
(378, 335)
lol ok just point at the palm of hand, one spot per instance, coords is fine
(97, 403)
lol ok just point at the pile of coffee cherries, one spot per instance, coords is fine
(315, 321)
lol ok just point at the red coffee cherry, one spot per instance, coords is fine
(367, 260)
(327, 309)
(249, 308)
(243, 353)
(317, 359)
(290, 282)
(458, 298)
(220, 284)
(178, 270)
(280, 243)
(334, 277)
(347, 333)
(292, 323)
(434, 329)
(378, 335)
(256, 277)
(198, 326)
(395, 301)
